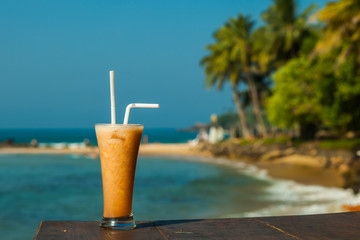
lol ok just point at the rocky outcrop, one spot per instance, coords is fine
(345, 162)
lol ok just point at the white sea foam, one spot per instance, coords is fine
(63, 145)
(289, 197)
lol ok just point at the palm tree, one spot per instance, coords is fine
(237, 35)
(284, 31)
(231, 55)
(342, 29)
(220, 68)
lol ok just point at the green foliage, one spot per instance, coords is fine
(284, 32)
(310, 41)
(244, 142)
(318, 93)
(341, 31)
(294, 98)
(345, 144)
(310, 92)
(316, 68)
(229, 119)
(298, 141)
(229, 56)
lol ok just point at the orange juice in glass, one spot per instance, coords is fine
(118, 147)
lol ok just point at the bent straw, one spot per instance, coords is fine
(112, 98)
(137, 105)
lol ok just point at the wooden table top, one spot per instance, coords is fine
(323, 226)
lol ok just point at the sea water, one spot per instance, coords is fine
(68, 187)
(52, 136)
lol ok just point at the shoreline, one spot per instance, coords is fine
(302, 173)
(301, 169)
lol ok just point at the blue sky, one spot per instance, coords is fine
(55, 58)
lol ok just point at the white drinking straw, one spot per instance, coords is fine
(137, 105)
(112, 98)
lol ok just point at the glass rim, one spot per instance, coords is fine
(118, 125)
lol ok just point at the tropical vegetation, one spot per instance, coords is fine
(301, 69)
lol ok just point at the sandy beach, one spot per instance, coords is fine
(304, 173)
(30, 150)
(179, 149)
(166, 149)
(302, 169)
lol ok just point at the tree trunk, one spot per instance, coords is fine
(240, 111)
(256, 106)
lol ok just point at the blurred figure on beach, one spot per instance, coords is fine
(216, 132)
(213, 135)
(34, 143)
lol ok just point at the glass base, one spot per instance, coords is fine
(119, 223)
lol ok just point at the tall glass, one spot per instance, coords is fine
(118, 146)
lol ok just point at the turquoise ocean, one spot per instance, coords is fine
(68, 187)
